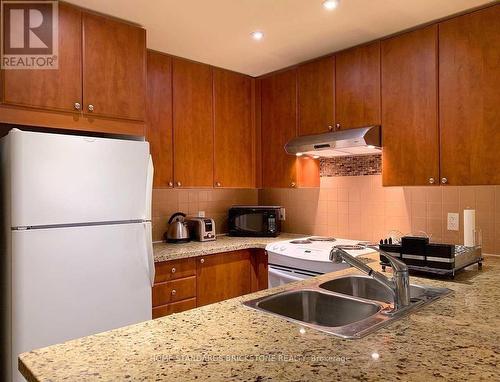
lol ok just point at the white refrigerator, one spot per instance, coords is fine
(77, 253)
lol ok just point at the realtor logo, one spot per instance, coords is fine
(29, 35)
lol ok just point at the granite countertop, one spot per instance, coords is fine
(455, 338)
(168, 251)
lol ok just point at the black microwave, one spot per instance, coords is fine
(263, 221)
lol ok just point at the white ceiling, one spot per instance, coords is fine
(217, 32)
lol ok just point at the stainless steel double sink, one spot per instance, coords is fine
(349, 307)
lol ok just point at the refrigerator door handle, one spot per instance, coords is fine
(149, 189)
(150, 253)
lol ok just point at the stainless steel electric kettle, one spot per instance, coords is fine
(177, 230)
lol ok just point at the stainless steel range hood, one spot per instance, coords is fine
(359, 141)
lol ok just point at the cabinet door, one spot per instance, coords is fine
(193, 124)
(409, 109)
(279, 125)
(159, 117)
(175, 307)
(59, 89)
(223, 276)
(357, 82)
(234, 163)
(260, 270)
(316, 87)
(114, 68)
(469, 98)
(173, 291)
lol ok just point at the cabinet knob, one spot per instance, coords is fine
(431, 180)
(179, 184)
(171, 184)
(174, 292)
(78, 106)
(217, 184)
(202, 261)
(173, 270)
(292, 184)
(91, 108)
(330, 127)
(337, 126)
(444, 180)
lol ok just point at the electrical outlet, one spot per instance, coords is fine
(201, 214)
(282, 214)
(453, 221)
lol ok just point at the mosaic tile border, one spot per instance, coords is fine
(351, 165)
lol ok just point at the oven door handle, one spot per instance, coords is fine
(284, 274)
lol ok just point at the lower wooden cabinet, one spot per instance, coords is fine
(173, 291)
(223, 276)
(175, 269)
(175, 307)
(187, 283)
(259, 272)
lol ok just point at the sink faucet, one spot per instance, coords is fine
(400, 283)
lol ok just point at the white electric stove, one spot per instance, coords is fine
(298, 259)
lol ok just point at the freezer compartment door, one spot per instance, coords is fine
(66, 179)
(73, 282)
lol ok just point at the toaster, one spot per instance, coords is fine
(201, 229)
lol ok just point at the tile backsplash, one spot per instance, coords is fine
(215, 203)
(358, 207)
(351, 165)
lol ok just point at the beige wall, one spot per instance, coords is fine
(358, 207)
(215, 203)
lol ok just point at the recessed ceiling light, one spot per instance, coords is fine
(257, 35)
(331, 4)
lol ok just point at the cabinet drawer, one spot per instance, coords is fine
(176, 290)
(175, 269)
(175, 307)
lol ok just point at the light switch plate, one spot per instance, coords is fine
(453, 221)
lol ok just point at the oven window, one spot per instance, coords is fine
(250, 222)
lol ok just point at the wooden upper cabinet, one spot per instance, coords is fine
(279, 125)
(469, 98)
(234, 164)
(193, 124)
(59, 89)
(159, 117)
(223, 276)
(409, 109)
(316, 98)
(114, 68)
(357, 83)
(257, 129)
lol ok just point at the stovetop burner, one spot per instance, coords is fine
(301, 241)
(321, 238)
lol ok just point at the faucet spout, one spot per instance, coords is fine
(400, 283)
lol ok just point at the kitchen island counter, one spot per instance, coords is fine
(455, 338)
